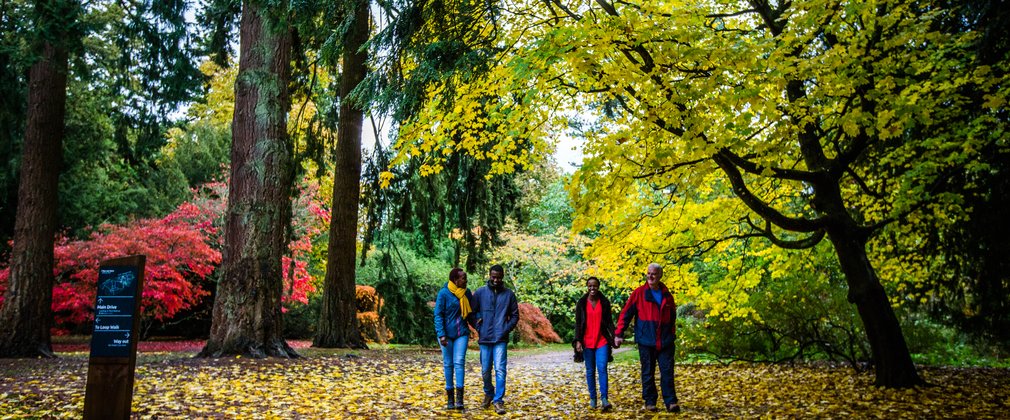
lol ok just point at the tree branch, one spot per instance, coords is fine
(862, 184)
(780, 173)
(808, 242)
(670, 168)
(760, 207)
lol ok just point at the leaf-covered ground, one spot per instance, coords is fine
(408, 384)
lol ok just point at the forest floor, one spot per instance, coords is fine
(406, 382)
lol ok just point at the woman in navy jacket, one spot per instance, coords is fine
(453, 312)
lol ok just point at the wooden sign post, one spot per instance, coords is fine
(109, 392)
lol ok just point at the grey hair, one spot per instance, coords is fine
(656, 266)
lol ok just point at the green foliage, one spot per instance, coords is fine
(462, 203)
(301, 321)
(407, 281)
(432, 43)
(131, 67)
(548, 272)
(938, 344)
(803, 315)
(544, 206)
(99, 186)
(13, 99)
(201, 150)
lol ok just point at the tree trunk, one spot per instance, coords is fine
(338, 321)
(892, 362)
(26, 315)
(247, 310)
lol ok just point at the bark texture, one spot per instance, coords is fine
(338, 322)
(893, 364)
(247, 310)
(26, 316)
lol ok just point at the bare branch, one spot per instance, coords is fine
(780, 173)
(760, 207)
(808, 242)
(862, 184)
(670, 168)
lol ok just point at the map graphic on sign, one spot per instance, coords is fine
(122, 282)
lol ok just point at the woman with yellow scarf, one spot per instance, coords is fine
(452, 315)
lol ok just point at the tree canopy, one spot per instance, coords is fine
(728, 133)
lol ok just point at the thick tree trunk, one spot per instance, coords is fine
(892, 362)
(338, 321)
(247, 310)
(26, 315)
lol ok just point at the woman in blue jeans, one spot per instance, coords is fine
(594, 340)
(452, 315)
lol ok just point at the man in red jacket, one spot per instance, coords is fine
(655, 313)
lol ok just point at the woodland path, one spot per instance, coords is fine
(552, 358)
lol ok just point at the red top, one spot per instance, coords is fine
(594, 314)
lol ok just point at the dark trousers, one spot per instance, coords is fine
(649, 357)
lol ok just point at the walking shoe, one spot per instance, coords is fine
(650, 407)
(592, 403)
(487, 402)
(499, 407)
(673, 408)
(450, 402)
(606, 407)
(459, 398)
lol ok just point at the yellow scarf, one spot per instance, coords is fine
(464, 303)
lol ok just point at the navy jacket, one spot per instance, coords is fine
(498, 312)
(448, 322)
(656, 324)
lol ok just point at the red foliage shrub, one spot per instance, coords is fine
(179, 259)
(372, 328)
(182, 250)
(367, 298)
(370, 324)
(534, 327)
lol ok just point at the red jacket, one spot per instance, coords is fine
(652, 320)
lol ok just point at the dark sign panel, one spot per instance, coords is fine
(114, 311)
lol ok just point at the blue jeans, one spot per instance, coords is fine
(497, 351)
(596, 362)
(649, 357)
(454, 359)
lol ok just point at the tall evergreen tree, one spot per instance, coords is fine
(247, 310)
(12, 112)
(26, 315)
(338, 323)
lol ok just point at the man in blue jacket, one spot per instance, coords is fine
(497, 315)
(652, 307)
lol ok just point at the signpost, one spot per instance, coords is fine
(109, 391)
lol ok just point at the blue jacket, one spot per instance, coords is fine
(448, 322)
(497, 312)
(655, 323)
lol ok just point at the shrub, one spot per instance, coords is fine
(367, 299)
(371, 325)
(534, 327)
(406, 287)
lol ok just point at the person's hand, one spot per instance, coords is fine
(578, 346)
(618, 341)
(443, 341)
